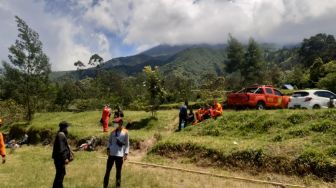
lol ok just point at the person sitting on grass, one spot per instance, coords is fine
(202, 114)
(217, 110)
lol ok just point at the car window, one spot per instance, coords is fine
(300, 94)
(269, 91)
(251, 90)
(277, 92)
(259, 91)
(324, 94)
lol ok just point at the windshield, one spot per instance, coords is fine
(248, 90)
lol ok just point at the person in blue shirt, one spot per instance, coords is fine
(183, 115)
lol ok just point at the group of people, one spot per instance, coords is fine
(117, 151)
(201, 114)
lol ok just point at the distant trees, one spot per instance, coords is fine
(319, 46)
(154, 85)
(253, 66)
(329, 79)
(26, 78)
(235, 54)
(249, 63)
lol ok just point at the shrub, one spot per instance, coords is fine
(324, 126)
(296, 119)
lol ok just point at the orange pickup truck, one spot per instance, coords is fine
(259, 97)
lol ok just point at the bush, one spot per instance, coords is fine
(323, 127)
(11, 112)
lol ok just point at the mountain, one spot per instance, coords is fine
(188, 60)
(167, 50)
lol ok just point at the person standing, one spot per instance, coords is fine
(2, 146)
(117, 151)
(183, 115)
(106, 117)
(61, 154)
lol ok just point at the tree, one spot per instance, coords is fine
(27, 80)
(66, 94)
(96, 60)
(79, 65)
(154, 84)
(320, 45)
(329, 80)
(316, 71)
(253, 66)
(235, 52)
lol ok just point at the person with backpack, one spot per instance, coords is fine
(61, 154)
(117, 151)
(183, 115)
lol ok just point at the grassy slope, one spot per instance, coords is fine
(303, 137)
(86, 124)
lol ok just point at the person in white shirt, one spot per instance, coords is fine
(117, 150)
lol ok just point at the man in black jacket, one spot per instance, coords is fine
(61, 154)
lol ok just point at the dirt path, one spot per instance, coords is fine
(145, 146)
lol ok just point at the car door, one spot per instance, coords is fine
(269, 96)
(323, 98)
(277, 98)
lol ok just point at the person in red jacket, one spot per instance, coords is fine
(106, 117)
(217, 110)
(2, 146)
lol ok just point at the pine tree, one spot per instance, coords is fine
(235, 55)
(253, 66)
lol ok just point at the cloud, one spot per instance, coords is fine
(75, 29)
(65, 39)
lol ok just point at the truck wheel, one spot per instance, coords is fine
(260, 106)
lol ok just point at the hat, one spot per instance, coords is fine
(118, 120)
(63, 124)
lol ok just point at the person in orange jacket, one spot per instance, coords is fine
(106, 117)
(2, 146)
(217, 110)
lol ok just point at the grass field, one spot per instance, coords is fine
(33, 167)
(298, 143)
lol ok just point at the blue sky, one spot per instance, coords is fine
(72, 30)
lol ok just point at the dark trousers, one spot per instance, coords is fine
(60, 173)
(182, 118)
(109, 165)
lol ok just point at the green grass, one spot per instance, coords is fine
(86, 124)
(264, 137)
(300, 142)
(33, 167)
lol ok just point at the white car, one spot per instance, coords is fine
(312, 99)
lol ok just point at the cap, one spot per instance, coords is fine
(63, 124)
(118, 120)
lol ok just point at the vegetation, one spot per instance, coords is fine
(33, 167)
(26, 82)
(284, 141)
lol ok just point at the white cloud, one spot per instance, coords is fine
(65, 41)
(80, 28)
(150, 22)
